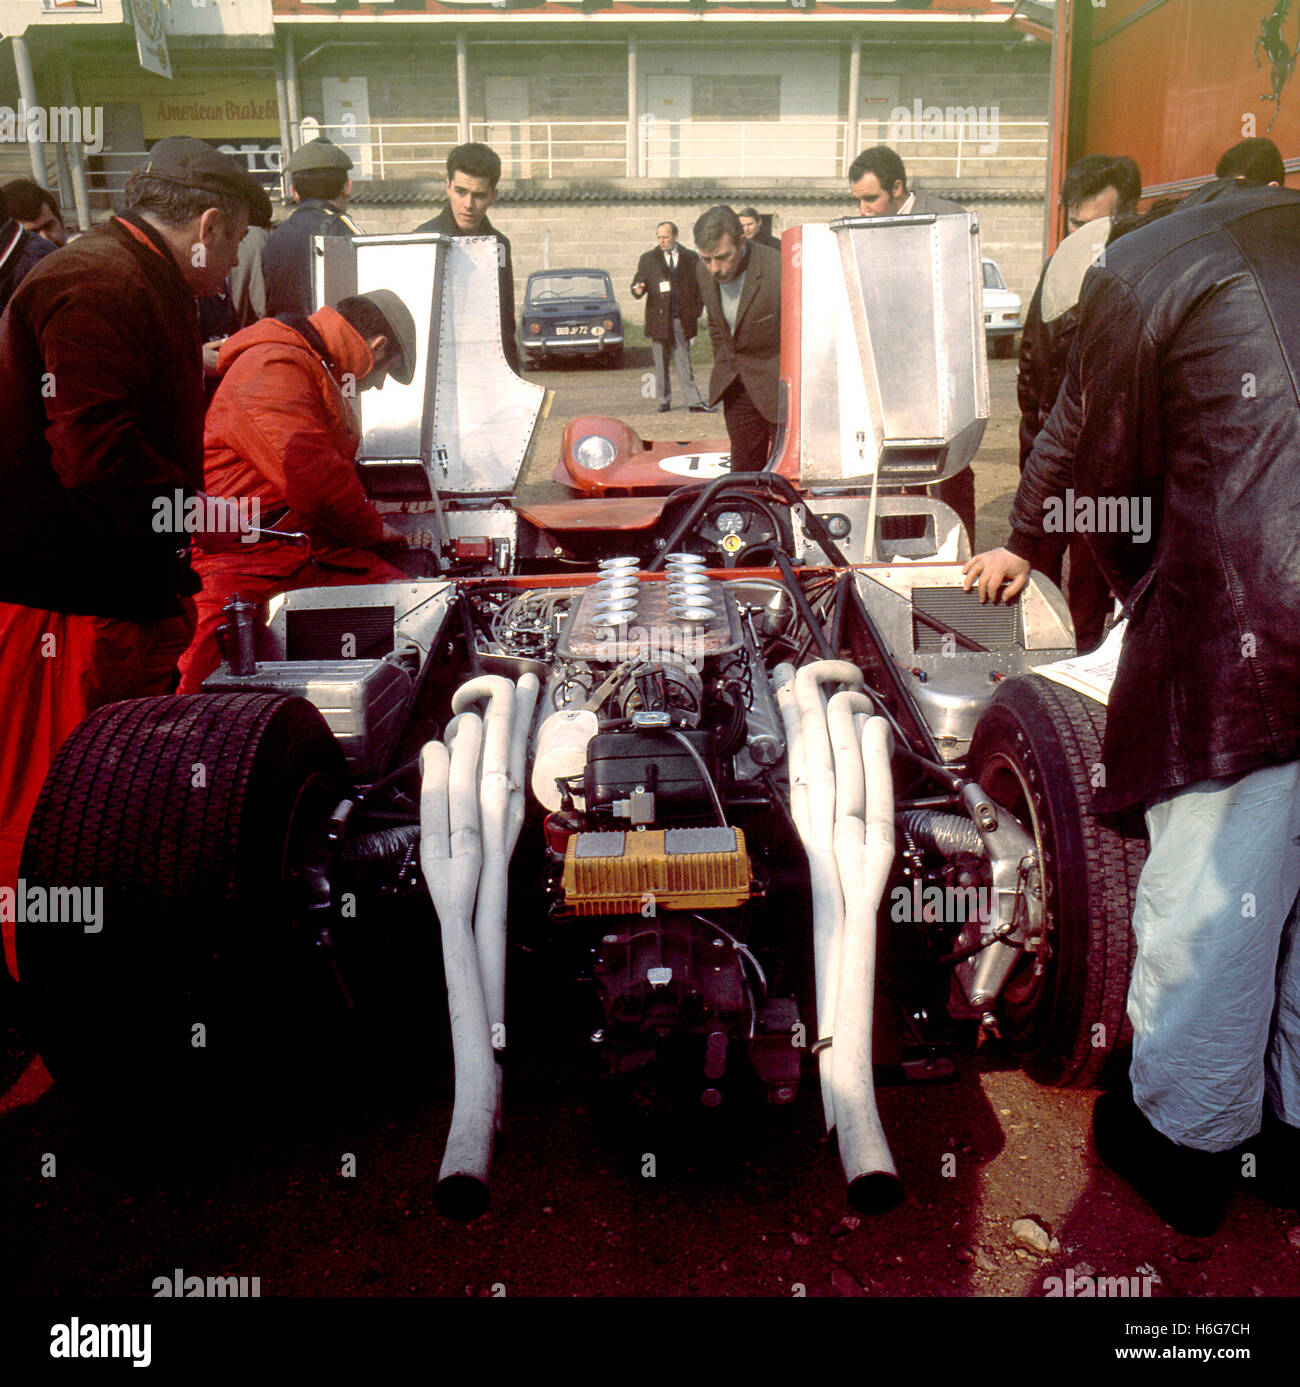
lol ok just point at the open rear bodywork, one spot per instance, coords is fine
(731, 803)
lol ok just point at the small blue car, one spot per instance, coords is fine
(571, 313)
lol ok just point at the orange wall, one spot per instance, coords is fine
(1179, 85)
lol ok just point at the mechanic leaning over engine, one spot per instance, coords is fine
(1182, 389)
(281, 432)
(101, 393)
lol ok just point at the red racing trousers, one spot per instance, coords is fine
(55, 670)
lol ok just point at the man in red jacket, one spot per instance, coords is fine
(101, 394)
(281, 434)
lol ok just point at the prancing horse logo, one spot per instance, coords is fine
(1275, 48)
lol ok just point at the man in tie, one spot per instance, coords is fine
(666, 278)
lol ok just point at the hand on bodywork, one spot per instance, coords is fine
(1002, 575)
(1048, 473)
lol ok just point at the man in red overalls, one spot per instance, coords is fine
(281, 433)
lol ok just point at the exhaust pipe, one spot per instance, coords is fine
(494, 806)
(468, 883)
(451, 856)
(864, 855)
(819, 844)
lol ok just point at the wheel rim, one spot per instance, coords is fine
(306, 846)
(1001, 779)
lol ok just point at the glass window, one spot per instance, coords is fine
(546, 288)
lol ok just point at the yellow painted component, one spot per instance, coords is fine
(621, 884)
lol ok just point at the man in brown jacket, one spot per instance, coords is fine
(101, 393)
(740, 283)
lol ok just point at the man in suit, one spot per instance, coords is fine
(666, 279)
(740, 284)
(473, 172)
(878, 181)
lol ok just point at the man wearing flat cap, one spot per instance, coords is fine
(101, 393)
(282, 434)
(319, 182)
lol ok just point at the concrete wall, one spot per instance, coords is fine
(611, 235)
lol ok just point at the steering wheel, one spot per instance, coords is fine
(732, 525)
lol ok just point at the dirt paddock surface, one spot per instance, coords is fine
(1005, 1197)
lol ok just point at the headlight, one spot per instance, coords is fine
(534, 327)
(609, 325)
(594, 452)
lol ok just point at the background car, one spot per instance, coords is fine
(1002, 311)
(571, 313)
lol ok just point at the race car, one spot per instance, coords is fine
(726, 775)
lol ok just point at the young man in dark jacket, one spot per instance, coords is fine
(101, 393)
(473, 172)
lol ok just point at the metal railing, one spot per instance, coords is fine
(653, 147)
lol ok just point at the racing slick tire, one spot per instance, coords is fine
(1037, 752)
(200, 819)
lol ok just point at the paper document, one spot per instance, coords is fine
(1091, 674)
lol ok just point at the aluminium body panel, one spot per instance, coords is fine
(466, 417)
(893, 379)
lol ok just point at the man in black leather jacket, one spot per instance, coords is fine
(1182, 401)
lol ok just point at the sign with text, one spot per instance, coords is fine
(150, 40)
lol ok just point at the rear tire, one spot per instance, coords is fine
(1035, 751)
(195, 815)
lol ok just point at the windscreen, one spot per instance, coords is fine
(549, 288)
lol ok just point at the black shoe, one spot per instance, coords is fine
(1186, 1187)
(1269, 1164)
(704, 409)
(663, 409)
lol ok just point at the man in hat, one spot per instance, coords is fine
(281, 438)
(319, 182)
(101, 391)
(473, 172)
